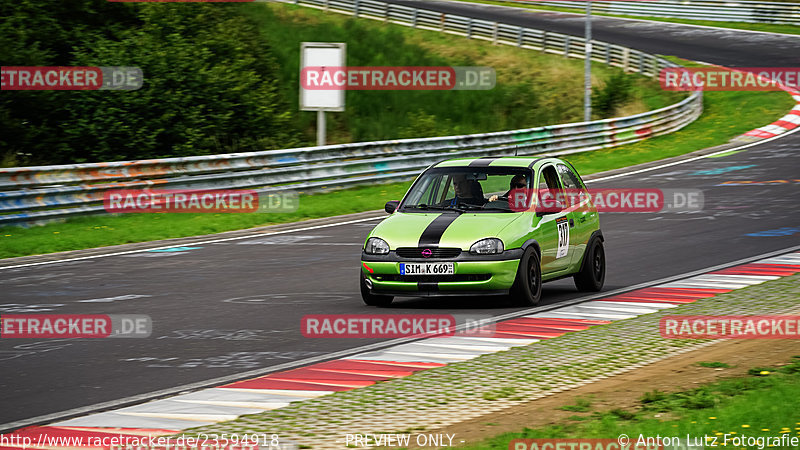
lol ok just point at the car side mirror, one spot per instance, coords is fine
(391, 206)
(557, 208)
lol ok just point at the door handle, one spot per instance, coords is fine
(571, 223)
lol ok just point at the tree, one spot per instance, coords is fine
(209, 85)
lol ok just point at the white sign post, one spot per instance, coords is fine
(321, 54)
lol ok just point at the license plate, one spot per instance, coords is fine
(427, 268)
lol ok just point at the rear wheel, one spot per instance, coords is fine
(372, 299)
(527, 288)
(593, 273)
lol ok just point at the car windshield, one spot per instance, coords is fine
(466, 189)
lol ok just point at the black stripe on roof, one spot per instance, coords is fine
(484, 161)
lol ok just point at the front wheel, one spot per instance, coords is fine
(372, 299)
(527, 288)
(593, 272)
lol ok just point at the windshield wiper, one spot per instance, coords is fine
(469, 206)
(423, 206)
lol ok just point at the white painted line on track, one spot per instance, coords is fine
(211, 241)
(115, 420)
(653, 305)
(562, 314)
(466, 346)
(258, 406)
(703, 285)
(402, 357)
(603, 306)
(416, 347)
(231, 396)
(741, 279)
(201, 418)
(511, 342)
(444, 356)
(281, 392)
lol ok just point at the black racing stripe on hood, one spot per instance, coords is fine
(483, 162)
(433, 233)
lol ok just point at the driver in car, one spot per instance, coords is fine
(467, 192)
(517, 182)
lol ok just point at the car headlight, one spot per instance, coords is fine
(376, 246)
(487, 246)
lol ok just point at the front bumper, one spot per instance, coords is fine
(474, 275)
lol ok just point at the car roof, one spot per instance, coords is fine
(498, 161)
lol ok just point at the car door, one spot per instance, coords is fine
(578, 214)
(554, 222)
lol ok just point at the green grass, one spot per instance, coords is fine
(581, 405)
(713, 364)
(533, 89)
(769, 28)
(758, 406)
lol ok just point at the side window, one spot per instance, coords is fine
(549, 180)
(568, 177)
(549, 190)
(429, 194)
(438, 190)
(449, 188)
(543, 181)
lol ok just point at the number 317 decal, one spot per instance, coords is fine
(563, 237)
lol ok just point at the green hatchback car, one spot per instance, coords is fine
(476, 227)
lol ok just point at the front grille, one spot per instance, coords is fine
(422, 252)
(432, 278)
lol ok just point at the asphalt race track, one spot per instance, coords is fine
(717, 46)
(224, 308)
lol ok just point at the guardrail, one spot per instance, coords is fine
(31, 195)
(716, 10)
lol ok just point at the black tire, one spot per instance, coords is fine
(593, 272)
(527, 287)
(372, 299)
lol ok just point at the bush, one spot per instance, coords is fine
(616, 92)
(653, 396)
(44, 33)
